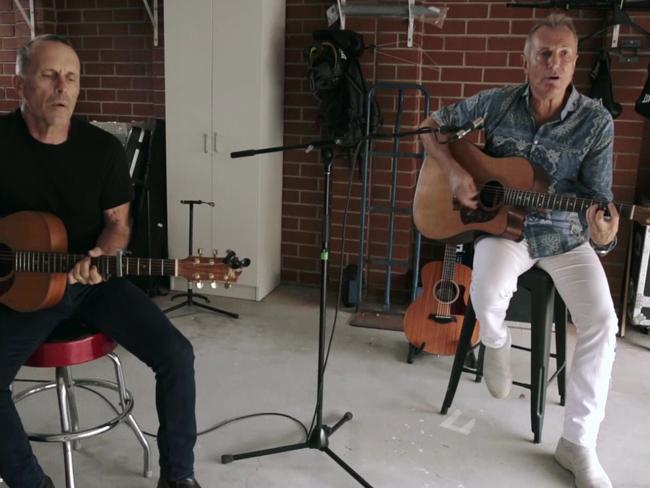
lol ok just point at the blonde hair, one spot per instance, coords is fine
(553, 21)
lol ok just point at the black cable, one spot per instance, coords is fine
(199, 433)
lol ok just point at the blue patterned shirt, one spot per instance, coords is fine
(574, 150)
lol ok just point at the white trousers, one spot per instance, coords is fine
(580, 280)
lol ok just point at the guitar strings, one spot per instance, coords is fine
(514, 192)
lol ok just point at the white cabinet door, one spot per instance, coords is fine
(188, 106)
(248, 76)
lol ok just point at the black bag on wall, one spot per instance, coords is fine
(601, 84)
(642, 105)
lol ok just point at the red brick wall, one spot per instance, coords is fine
(479, 46)
(122, 72)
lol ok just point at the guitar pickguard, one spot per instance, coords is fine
(469, 216)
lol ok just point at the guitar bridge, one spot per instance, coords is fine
(442, 319)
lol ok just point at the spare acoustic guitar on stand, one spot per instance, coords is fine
(434, 320)
(34, 263)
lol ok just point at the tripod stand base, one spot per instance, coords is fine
(319, 439)
(191, 303)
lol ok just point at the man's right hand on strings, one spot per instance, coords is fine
(463, 187)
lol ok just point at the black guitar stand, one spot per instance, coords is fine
(189, 294)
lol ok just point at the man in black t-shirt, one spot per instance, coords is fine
(56, 163)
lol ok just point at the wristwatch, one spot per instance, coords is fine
(605, 249)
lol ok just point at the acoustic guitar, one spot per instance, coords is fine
(34, 263)
(434, 320)
(507, 188)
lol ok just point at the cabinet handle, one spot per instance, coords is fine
(215, 146)
(205, 143)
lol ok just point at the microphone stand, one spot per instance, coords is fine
(320, 433)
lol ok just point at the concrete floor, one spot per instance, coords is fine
(266, 362)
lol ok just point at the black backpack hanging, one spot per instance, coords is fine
(642, 105)
(601, 85)
(336, 78)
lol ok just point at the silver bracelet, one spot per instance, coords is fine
(606, 249)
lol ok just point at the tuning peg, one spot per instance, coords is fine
(213, 284)
(199, 251)
(211, 276)
(199, 284)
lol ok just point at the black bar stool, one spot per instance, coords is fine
(545, 309)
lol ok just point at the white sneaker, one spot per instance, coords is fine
(496, 369)
(583, 463)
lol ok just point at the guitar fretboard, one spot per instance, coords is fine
(49, 262)
(529, 199)
(449, 263)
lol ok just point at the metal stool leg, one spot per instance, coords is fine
(541, 327)
(62, 396)
(464, 344)
(560, 346)
(124, 398)
(72, 404)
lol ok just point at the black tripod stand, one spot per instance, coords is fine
(189, 294)
(319, 436)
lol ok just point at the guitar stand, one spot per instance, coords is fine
(414, 351)
(189, 294)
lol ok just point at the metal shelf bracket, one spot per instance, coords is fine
(29, 20)
(153, 17)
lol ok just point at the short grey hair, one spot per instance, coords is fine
(553, 21)
(23, 57)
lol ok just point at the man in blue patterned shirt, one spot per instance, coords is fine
(569, 136)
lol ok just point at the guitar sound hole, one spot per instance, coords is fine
(491, 195)
(6, 261)
(446, 291)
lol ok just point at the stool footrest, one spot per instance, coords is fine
(122, 411)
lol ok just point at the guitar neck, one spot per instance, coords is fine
(449, 263)
(49, 262)
(552, 201)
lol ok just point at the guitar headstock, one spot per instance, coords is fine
(212, 269)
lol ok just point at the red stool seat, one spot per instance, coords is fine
(58, 353)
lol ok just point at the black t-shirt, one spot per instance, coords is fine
(76, 180)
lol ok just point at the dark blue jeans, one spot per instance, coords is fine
(123, 312)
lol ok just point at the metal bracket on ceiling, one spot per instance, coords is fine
(29, 20)
(153, 17)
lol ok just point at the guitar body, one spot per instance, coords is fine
(437, 217)
(433, 322)
(36, 231)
